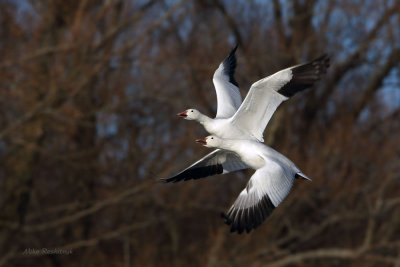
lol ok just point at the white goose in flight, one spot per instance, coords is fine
(267, 187)
(248, 119)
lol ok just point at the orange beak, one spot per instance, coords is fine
(182, 114)
(202, 141)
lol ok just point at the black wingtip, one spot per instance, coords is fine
(323, 62)
(237, 227)
(299, 175)
(230, 66)
(171, 180)
(234, 49)
(232, 55)
(245, 220)
(164, 180)
(227, 220)
(305, 75)
(324, 56)
(196, 173)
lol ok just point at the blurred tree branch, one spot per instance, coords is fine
(376, 81)
(87, 116)
(92, 209)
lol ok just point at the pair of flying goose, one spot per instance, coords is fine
(237, 134)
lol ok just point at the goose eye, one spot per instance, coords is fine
(192, 110)
(212, 137)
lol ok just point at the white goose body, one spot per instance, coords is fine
(251, 153)
(268, 186)
(242, 125)
(248, 119)
(225, 129)
(255, 154)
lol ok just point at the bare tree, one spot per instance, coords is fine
(88, 94)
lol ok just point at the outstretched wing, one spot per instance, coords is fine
(266, 189)
(226, 87)
(217, 162)
(267, 94)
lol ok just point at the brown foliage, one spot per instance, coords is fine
(89, 93)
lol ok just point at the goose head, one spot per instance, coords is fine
(190, 114)
(210, 141)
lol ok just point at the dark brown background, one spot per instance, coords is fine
(88, 96)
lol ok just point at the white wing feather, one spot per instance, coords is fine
(266, 189)
(217, 162)
(228, 94)
(260, 103)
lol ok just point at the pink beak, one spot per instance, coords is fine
(202, 141)
(182, 114)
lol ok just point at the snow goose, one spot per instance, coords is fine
(249, 119)
(229, 98)
(267, 187)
